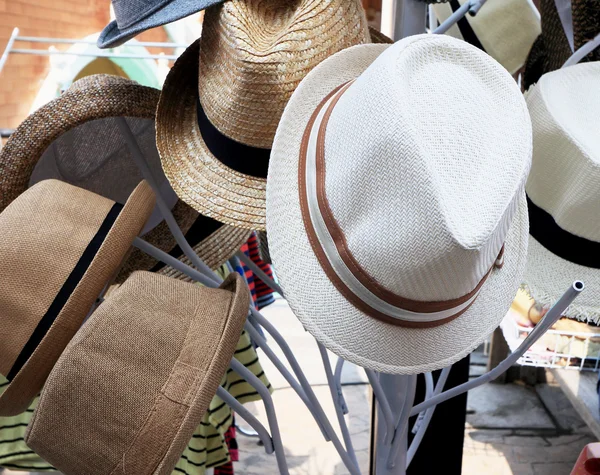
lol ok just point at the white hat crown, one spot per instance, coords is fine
(426, 155)
(565, 175)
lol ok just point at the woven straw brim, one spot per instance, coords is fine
(547, 278)
(198, 178)
(29, 380)
(95, 97)
(323, 311)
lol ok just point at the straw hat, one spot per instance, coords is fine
(59, 247)
(505, 29)
(76, 139)
(134, 383)
(580, 18)
(215, 128)
(405, 246)
(564, 188)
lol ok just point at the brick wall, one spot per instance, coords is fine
(23, 75)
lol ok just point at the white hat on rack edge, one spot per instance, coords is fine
(398, 231)
(563, 188)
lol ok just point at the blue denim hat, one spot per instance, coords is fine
(135, 16)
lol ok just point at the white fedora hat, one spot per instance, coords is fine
(563, 188)
(387, 220)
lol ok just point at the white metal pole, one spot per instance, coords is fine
(9, 45)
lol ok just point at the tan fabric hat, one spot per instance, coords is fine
(133, 384)
(59, 247)
(400, 245)
(563, 188)
(223, 98)
(76, 139)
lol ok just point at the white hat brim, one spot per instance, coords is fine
(548, 276)
(323, 311)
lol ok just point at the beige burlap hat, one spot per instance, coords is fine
(504, 29)
(223, 98)
(59, 247)
(563, 188)
(76, 139)
(134, 383)
(399, 233)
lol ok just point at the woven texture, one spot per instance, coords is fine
(506, 29)
(76, 139)
(156, 341)
(565, 179)
(379, 228)
(552, 49)
(250, 58)
(44, 233)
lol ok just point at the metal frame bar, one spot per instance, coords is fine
(153, 44)
(9, 45)
(583, 51)
(43, 52)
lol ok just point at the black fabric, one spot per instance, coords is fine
(242, 158)
(560, 242)
(465, 28)
(445, 435)
(198, 232)
(66, 290)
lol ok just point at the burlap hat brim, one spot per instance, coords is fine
(198, 178)
(28, 382)
(100, 97)
(317, 303)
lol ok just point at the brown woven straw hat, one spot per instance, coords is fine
(76, 139)
(133, 384)
(59, 247)
(223, 98)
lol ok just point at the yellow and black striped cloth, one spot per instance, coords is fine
(206, 449)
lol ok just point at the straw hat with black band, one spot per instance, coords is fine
(132, 386)
(563, 188)
(76, 139)
(414, 237)
(223, 98)
(59, 247)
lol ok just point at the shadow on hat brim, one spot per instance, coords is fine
(548, 276)
(198, 178)
(28, 382)
(317, 303)
(175, 10)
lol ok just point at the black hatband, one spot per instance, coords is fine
(563, 244)
(66, 290)
(242, 158)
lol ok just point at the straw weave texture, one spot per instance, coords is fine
(75, 138)
(321, 308)
(249, 60)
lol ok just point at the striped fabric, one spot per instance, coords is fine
(262, 295)
(207, 448)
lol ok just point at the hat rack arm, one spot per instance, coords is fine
(318, 413)
(472, 7)
(164, 209)
(337, 375)
(549, 319)
(245, 414)
(250, 264)
(338, 410)
(384, 405)
(264, 393)
(583, 51)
